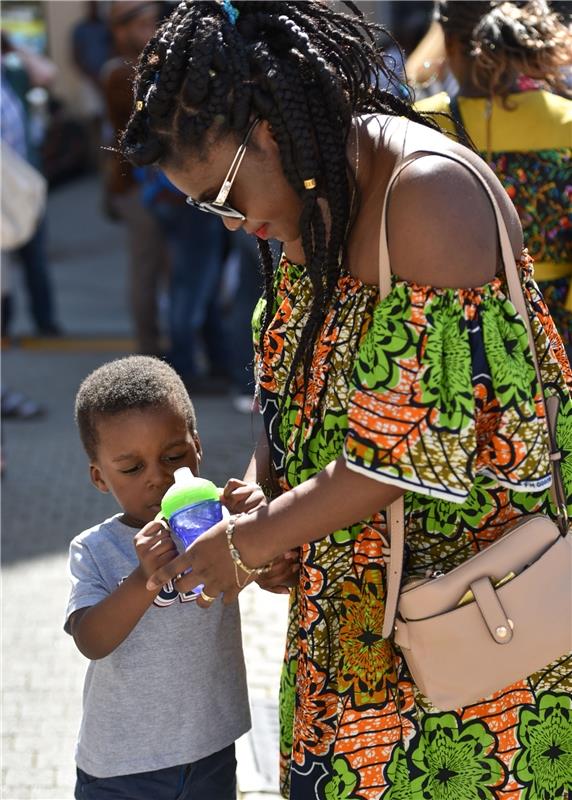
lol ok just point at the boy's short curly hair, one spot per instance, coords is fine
(134, 382)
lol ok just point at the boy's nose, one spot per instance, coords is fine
(161, 476)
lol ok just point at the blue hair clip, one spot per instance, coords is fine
(230, 11)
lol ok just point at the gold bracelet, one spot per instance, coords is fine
(236, 559)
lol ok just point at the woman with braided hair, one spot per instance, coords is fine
(510, 60)
(265, 114)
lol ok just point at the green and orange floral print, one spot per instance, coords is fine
(434, 390)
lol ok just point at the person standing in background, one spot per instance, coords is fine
(18, 77)
(132, 24)
(214, 285)
(509, 60)
(198, 245)
(92, 46)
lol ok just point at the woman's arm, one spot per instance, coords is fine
(333, 499)
(258, 470)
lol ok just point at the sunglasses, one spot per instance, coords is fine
(219, 206)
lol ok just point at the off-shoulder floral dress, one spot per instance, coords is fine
(433, 390)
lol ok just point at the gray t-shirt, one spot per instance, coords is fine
(174, 691)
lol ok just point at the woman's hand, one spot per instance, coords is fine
(282, 574)
(240, 497)
(210, 563)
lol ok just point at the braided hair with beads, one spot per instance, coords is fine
(305, 68)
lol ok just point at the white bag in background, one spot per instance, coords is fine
(23, 193)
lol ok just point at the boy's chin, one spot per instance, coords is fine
(138, 521)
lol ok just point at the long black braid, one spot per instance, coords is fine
(302, 66)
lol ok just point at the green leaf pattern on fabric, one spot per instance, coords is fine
(508, 355)
(387, 343)
(324, 449)
(544, 765)
(564, 439)
(342, 783)
(445, 379)
(287, 704)
(455, 760)
(397, 774)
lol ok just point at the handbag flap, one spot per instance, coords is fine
(512, 553)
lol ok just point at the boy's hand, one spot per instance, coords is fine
(282, 575)
(240, 497)
(154, 547)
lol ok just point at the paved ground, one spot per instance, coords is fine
(48, 498)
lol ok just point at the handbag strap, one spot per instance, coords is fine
(396, 511)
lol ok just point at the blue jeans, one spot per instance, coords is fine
(34, 260)
(209, 778)
(197, 244)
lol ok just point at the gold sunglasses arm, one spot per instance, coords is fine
(220, 199)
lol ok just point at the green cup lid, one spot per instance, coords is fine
(187, 491)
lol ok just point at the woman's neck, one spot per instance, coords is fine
(358, 154)
(468, 87)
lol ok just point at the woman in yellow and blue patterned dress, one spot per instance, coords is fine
(516, 107)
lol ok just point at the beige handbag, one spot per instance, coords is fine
(507, 611)
(23, 196)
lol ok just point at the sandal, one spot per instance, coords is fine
(15, 405)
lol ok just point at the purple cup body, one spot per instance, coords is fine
(188, 523)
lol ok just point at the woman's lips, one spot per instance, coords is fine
(262, 232)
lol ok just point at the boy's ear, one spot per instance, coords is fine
(198, 446)
(97, 479)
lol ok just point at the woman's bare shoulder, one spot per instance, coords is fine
(441, 225)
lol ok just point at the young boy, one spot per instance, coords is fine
(165, 693)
